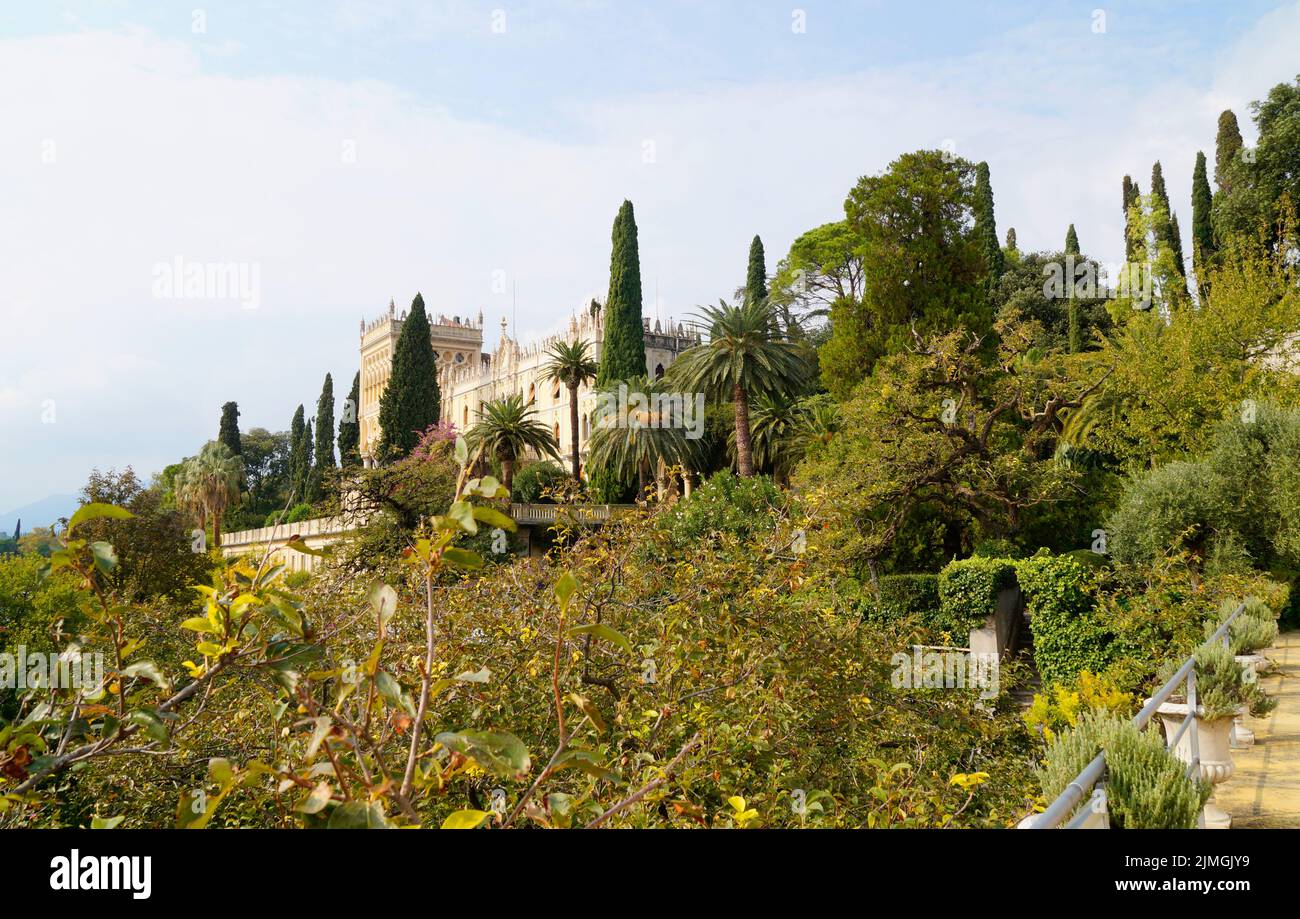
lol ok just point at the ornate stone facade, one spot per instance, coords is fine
(468, 376)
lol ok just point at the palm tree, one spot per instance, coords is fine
(505, 429)
(572, 365)
(209, 483)
(774, 421)
(650, 434)
(741, 361)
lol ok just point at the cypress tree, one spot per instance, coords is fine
(1167, 232)
(1227, 149)
(1011, 239)
(309, 471)
(756, 277)
(1074, 339)
(324, 452)
(298, 456)
(986, 230)
(350, 427)
(1202, 228)
(622, 354)
(1131, 195)
(228, 434)
(411, 401)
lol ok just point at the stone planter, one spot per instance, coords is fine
(1252, 665)
(1213, 741)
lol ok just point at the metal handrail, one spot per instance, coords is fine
(1092, 773)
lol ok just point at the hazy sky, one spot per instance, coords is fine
(346, 153)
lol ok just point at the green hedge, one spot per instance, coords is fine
(903, 595)
(968, 591)
(1069, 635)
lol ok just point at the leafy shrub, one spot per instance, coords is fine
(968, 591)
(299, 513)
(1058, 707)
(1172, 506)
(296, 580)
(532, 483)
(1253, 630)
(724, 504)
(1222, 688)
(1146, 785)
(904, 595)
(1069, 635)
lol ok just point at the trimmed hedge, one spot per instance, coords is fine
(903, 595)
(968, 591)
(1069, 635)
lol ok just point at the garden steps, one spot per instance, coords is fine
(1264, 791)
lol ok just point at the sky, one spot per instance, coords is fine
(339, 154)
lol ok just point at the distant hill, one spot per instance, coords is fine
(40, 513)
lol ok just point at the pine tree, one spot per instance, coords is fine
(1131, 195)
(1227, 150)
(622, 354)
(350, 427)
(324, 453)
(1075, 333)
(1202, 227)
(228, 433)
(411, 401)
(986, 230)
(756, 277)
(298, 456)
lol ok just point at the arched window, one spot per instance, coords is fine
(557, 432)
(532, 392)
(659, 372)
(586, 427)
(465, 417)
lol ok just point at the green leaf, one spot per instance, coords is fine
(587, 708)
(493, 517)
(149, 671)
(564, 588)
(482, 675)
(315, 802)
(200, 624)
(383, 600)
(298, 545)
(357, 815)
(602, 631)
(318, 735)
(462, 558)
(490, 487)
(150, 721)
(94, 511)
(501, 754)
(105, 557)
(463, 513)
(106, 823)
(466, 820)
(462, 451)
(220, 771)
(585, 761)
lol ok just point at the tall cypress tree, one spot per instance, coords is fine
(1074, 332)
(756, 276)
(228, 433)
(986, 230)
(1202, 227)
(324, 453)
(350, 427)
(1167, 232)
(411, 401)
(1227, 150)
(1011, 240)
(308, 471)
(298, 456)
(622, 354)
(1131, 195)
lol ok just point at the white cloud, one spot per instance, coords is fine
(156, 156)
